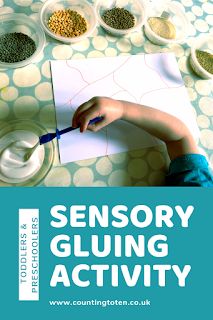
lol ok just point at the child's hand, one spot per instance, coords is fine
(107, 108)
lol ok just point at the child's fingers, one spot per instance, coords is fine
(86, 105)
(86, 116)
(79, 111)
(98, 125)
(75, 119)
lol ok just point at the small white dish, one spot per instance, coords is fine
(82, 7)
(203, 43)
(19, 22)
(176, 16)
(136, 7)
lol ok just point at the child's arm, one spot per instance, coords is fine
(164, 126)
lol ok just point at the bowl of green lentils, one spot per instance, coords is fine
(201, 57)
(21, 40)
(120, 17)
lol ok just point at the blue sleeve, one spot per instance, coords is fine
(189, 170)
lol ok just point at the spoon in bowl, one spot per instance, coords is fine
(22, 154)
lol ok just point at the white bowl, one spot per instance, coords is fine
(17, 22)
(176, 16)
(203, 43)
(136, 7)
(82, 7)
(49, 152)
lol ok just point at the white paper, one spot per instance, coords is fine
(151, 79)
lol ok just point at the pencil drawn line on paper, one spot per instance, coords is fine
(91, 83)
(92, 80)
(117, 82)
(152, 91)
(155, 71)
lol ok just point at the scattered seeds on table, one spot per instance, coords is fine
(67, 23)
(162, 27)
(16, 47)
(119, 18)
(205, 59)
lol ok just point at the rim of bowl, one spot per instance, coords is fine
(168, 41)
(141, 3)
(31, 181)
(65, 39)
(194, 58)
(30, 22)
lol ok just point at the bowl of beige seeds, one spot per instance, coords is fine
(68, 21)
(166, 24)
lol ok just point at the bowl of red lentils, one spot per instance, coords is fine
(120, 17)
(68, 21)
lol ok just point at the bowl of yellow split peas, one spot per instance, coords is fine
(68, 21)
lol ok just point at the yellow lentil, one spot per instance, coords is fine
(67, 23)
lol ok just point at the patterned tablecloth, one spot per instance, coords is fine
(27, 93)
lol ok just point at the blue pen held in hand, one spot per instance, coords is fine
(50, 136)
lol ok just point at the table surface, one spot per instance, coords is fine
(27, 93)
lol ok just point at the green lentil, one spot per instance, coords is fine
(15, 47)
(205, 59)
(119, 18)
